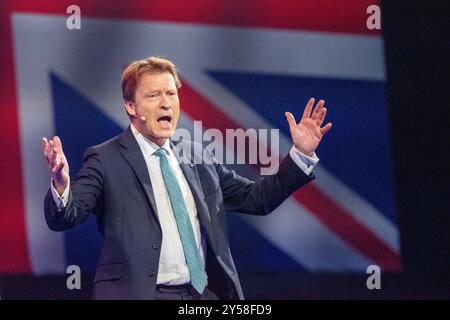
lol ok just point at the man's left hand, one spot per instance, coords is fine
(306, 135)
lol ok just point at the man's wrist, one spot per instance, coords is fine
(303, 161)
(60, 188)
(306, 153)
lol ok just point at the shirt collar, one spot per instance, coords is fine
(148, 147)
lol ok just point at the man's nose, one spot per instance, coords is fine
(165, 102)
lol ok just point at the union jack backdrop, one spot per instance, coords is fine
(242, 64)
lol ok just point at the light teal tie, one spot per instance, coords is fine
(191, 253)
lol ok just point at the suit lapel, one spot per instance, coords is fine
(133, 155)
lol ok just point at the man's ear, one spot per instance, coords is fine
(130, 107)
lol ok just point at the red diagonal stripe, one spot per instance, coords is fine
(329, 212)
(341, 222)
(13, 239)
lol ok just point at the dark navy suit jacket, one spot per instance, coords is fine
(114, 184)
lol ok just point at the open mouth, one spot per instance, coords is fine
(165, 120)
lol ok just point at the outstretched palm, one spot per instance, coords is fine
(57, 164)
(306, 135)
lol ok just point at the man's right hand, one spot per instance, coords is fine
(56, 163)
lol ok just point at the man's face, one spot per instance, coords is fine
(156, 98)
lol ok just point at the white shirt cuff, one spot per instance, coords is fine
(60, 201)
(303, 161)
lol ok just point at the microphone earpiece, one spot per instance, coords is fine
(142, 118)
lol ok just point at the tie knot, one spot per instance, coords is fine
(160, 153)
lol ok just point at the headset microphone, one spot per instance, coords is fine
(142, 118)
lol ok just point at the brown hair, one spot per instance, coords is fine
(152, 64)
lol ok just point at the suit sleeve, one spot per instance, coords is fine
(264, 195)
(85, 195)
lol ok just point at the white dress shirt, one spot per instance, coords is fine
(172, 264)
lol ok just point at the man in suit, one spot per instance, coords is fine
(163, 218)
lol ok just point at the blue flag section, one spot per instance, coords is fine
(80, 125)
(361, 133)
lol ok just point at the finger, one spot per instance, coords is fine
(57, 150)
(317, 110)
(57, 143)
(291, 120)
(51, 148)
(46, 150)
(54, 146)
(326, 128)
(321, 117)
(308, 109)
(45, 146)
(52, 156)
